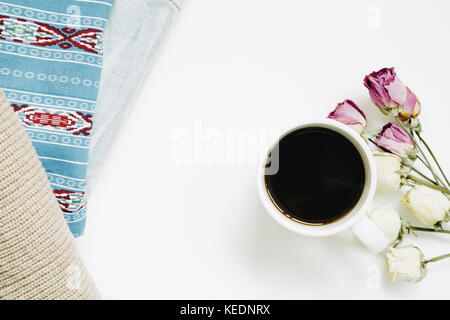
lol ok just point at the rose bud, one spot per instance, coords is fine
(394, 139)
(388, 93)
(384, 87)
(428, 205)
(406, 263)
(387, 220)
(388, 171)
(410, 107)
(350, 114)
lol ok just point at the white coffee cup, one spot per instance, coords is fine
(356, 219)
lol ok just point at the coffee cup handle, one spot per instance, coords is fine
(370, 235)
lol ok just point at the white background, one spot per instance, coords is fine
(161, 229)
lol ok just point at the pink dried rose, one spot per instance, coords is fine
(396, 140)
(350, 114)
(388, 92)
(410, 108)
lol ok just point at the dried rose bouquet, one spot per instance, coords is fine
(403, 159)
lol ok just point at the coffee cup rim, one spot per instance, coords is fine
(358, 210)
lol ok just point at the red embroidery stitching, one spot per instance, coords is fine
(70, 201)
(77, 123)
(47, 35)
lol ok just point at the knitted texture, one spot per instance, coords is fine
(38, 257)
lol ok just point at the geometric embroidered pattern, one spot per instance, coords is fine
(41, 34)
(63, 102)
(55, 138)
(73, 122)
(50, 70)
(70, 201)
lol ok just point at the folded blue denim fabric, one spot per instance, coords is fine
(50, 66)
(133, 36)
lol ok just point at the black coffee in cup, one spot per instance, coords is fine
(320, 177)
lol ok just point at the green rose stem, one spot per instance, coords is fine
(427, 164)
(434, 158)
(439, 181)
(429, 230)
(425, 183)
(423, 176)
(445, 256)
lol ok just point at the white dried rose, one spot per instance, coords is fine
(387, 220)
(388, 171)
(429, 205)
(406, 263)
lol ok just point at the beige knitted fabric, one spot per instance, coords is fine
(38, 257)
